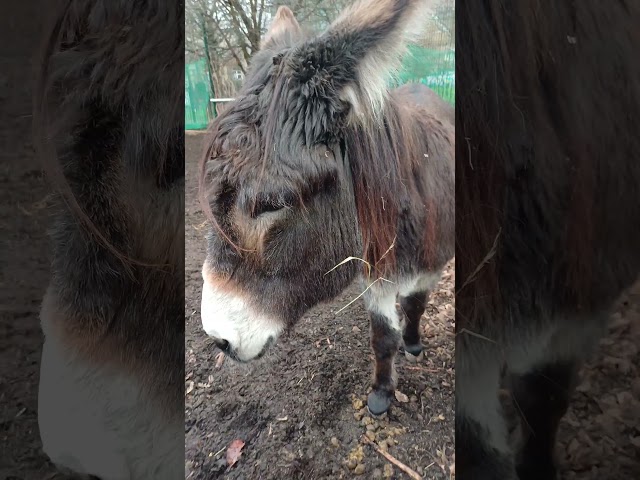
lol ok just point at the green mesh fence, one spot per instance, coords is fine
(434, 68)
(196, 96)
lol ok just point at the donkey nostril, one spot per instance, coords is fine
(221, 344)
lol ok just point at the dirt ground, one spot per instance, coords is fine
(24, 268)
(599, 438)
(300, 410)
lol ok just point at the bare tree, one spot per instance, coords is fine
(228, 32)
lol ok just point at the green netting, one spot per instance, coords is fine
(196, 95)
(434, 68)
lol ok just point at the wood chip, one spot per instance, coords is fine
(401, 397)
(219, 359)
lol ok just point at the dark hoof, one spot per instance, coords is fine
(414, 353)
(378, 402)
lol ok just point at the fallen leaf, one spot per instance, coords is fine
(234, 451)
(190, 386)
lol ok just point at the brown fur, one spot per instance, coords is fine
(562, 138)
(414, 138)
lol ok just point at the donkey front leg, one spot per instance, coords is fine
(413, 306)
(484, 449)
(385, 341)
(386, 338)
(542, 383)
(542, 396)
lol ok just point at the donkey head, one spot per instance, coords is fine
(276, 179)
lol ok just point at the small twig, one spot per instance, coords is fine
(393, 244)
(484, 261)
(365, 291)
(349, 259)
(477, 335)
(302, 378)
(412, 473)
(469, 150)
(219, 451)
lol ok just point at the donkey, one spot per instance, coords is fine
(548, 208)
(109, 127)
(315, 162)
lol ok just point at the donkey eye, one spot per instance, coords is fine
(271, 202)
(266, 207)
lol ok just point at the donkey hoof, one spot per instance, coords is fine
(378, 403)
(414, 353)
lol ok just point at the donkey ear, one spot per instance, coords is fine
(362, 49)
(283, 30)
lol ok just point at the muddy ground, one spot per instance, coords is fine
(300, 410)
(599, 438)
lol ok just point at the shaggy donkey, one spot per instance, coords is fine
(110, 128)
(317, 161)
(548, 215)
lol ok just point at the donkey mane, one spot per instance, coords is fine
(536, 70)
(388, 175)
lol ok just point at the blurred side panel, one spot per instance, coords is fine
(547, 235)
(93, 272)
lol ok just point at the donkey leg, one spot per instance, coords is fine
(476, 458)
(385, 340)
(541, 385)
(483, 450)
(413, 306)
(542, 396)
